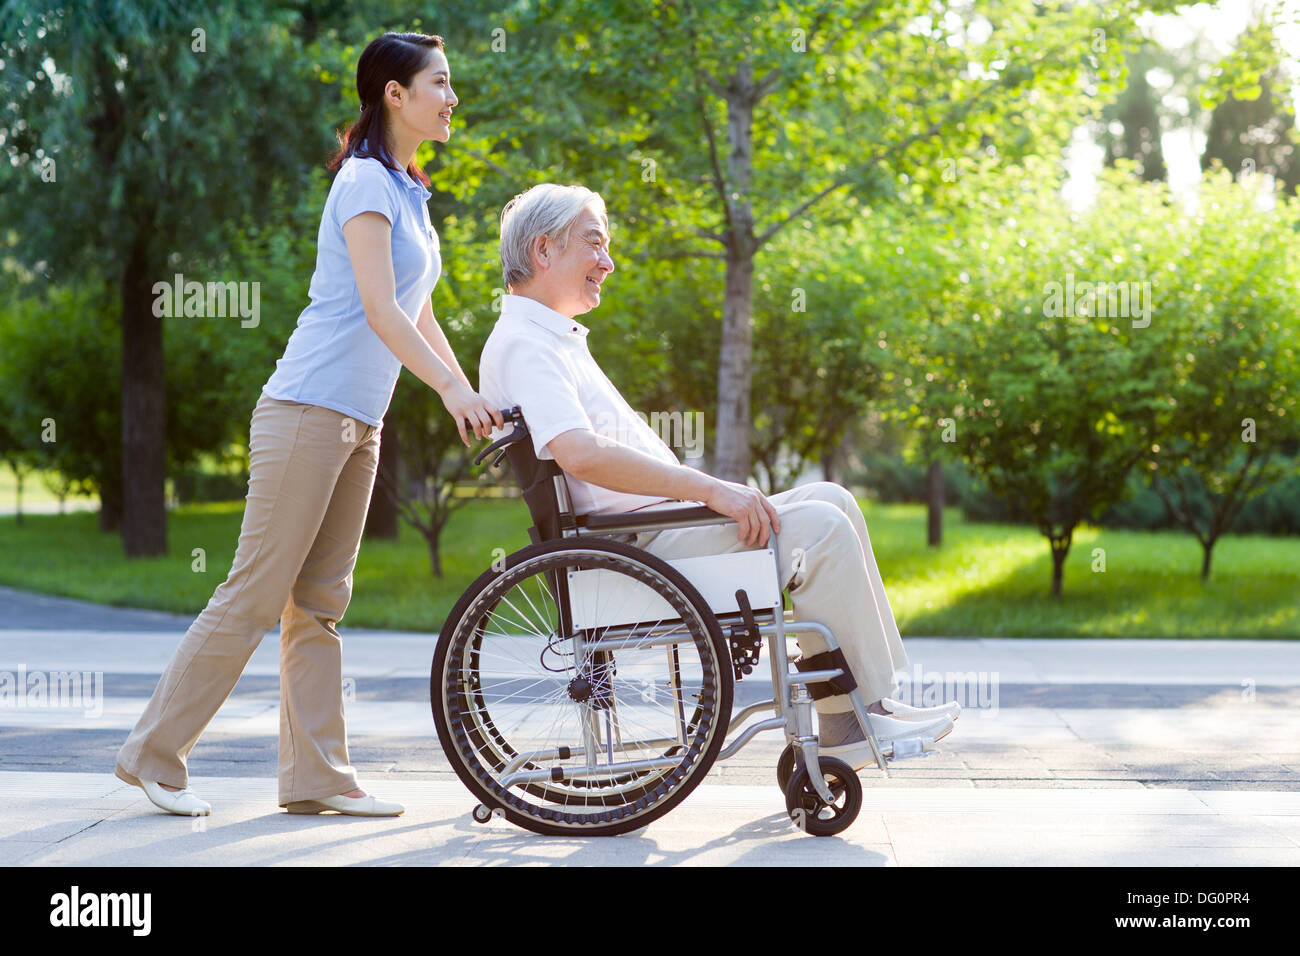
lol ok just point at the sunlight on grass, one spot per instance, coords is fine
(34, 491)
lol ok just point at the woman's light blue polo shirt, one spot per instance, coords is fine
(334, 358)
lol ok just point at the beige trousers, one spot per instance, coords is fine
(311, 473)
(824, 557)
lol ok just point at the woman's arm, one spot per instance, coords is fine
(369, 240)
(437, 339)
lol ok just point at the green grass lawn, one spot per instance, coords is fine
(986, 580)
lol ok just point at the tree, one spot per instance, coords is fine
(16, 442)
(1137, 114)
(434, 460)
(422, 491)
(1233, 379)
(773, 110)
(814, 368)
(1052, 397)
(20, 463)
(136, 122)
(64, 417)
(1252, 128)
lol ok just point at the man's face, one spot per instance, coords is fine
(574, 274)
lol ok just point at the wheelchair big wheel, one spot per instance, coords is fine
(589, 729)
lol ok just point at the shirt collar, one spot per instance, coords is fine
(522, 307)
(402, 176)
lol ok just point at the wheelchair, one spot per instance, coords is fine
(584, 686)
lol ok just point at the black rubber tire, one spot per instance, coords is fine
(785, 767)
(635, 813)
(806, 807)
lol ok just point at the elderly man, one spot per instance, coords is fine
(555, 258)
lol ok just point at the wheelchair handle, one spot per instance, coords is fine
(520, 431)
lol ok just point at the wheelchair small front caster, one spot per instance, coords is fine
(813, 815)
(482, 814)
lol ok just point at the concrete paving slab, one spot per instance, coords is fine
(1187, 731)
(1110, 661)
(1143, 752)
(988, 847)
(53, 825)
(735, 825)
(14, 853)
(378, 653)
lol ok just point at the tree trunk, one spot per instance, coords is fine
(110, 507)
(1207, 551)
(381, 519)
(935, 489)
(828, 466)
(18, 494)
(736, 358)
(1060, 548)
(144, 407)
(433, 535)
(733, 461)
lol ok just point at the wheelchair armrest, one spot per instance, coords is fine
(652, 520)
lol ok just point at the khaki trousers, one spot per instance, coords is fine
(311, 473)
(824, 557)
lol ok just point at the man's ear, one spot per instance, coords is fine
(540, 251)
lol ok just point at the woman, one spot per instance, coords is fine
(314, 451)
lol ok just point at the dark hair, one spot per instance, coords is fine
(393, 56)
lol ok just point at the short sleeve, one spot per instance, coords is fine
(363, 185)
(539, 382)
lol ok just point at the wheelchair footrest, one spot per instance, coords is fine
(912, 747)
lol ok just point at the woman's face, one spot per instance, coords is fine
(428, 102)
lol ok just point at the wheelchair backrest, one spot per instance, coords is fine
(542, 482)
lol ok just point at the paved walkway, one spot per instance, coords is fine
(1070, 752)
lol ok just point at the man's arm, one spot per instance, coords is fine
(619, 467)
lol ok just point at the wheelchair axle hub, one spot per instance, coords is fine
(593, 689)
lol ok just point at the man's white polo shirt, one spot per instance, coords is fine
(538, 359)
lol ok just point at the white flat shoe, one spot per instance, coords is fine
(185, 803)
(951, 710)
(366, 806)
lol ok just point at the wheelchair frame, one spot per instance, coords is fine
(546, 494)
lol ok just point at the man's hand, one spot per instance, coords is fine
(753, 512)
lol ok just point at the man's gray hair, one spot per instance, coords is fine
(544, 210)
